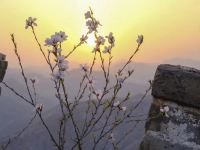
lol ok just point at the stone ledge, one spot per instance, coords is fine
(178, 131)
(155, 141)
(179, 116)
(177, 83)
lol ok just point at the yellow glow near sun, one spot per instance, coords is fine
(166, 26)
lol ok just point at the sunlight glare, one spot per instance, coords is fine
(91, 40)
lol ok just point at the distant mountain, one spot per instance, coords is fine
(184, 62)
(36, 137)
(14, 113)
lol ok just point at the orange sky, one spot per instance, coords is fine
(171, 28)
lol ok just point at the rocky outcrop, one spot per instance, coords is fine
(3, 67)
(177, 127)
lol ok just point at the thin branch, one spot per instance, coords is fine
(21, 67)
(16, 93)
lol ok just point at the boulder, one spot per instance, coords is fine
(177, 128)
(177, 83)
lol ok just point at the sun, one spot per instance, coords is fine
(91, 40)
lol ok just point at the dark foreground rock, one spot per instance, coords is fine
(177, 83)
(177, 88)
(3, 67)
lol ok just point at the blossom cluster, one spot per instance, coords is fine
(55, 42)
(30, 22)
(91, 22)
(100, 40)
(83, 39)
(61, 65)
(55, 39)
(118, 105)
(39, 108)
(164, 110)
(140, 39)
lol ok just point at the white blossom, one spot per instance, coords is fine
(116, 104)
(83, 39)
(55, 50)
(165, 110)
(107, 49)
(62, 63)
(58, 75)
(53, 40)
(58, 37)
(100, 40)
(123, 108)
(87, 15)
(30, 22)
(140, 39)
(61, 58)
(112, 137)
(48, 41)
(111, 39)
(92, 25)
(62, 35)
(39, 107)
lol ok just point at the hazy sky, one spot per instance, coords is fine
(171, 28)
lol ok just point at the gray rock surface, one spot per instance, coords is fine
(177, 128)
(153, 141)
(177, 83)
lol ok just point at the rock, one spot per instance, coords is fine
(153, 141)
(3, 67)
(2, 57)
(178, 128)
(178, 131)
(177, 83)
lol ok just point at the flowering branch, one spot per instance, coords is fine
(109, 113)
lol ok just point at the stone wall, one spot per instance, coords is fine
(3, 67)
(176, 88)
